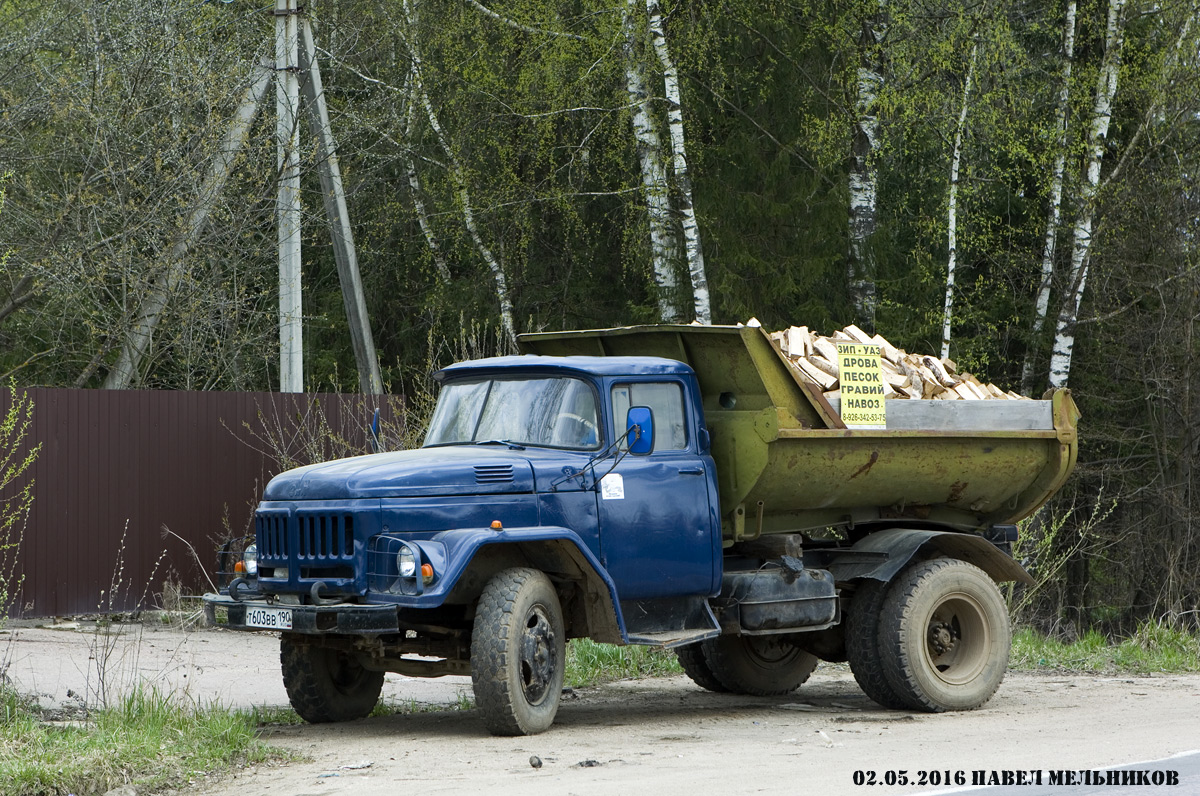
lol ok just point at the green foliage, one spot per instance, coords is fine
(151, 739)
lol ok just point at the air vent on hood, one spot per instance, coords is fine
(493, 473)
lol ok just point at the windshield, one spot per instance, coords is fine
(554, 412)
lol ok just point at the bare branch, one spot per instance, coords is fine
(21, 294)
(512, 23)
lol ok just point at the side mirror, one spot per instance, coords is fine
(639, 428)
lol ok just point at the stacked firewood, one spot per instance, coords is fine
(905, 375)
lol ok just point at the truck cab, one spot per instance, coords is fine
(588, 477)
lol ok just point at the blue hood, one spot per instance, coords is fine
(446, 470)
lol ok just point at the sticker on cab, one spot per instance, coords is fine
(612, 487)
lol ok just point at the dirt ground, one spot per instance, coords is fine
(662, 736)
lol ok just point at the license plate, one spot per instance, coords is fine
(269, 618)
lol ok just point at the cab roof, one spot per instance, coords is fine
(585, 365)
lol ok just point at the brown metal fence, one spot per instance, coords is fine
(116, 467)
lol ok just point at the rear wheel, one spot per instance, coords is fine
(518, 652)
(759, 665)
(944, 637)
(862, 644)
(326, 684)
(691, 658)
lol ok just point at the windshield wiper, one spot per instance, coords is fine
(512, 445)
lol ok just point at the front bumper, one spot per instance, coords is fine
(309, 619)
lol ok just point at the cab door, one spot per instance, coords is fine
(659, 534)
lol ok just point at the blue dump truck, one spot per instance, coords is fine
(675, 486)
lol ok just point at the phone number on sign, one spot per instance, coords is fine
(863, 418)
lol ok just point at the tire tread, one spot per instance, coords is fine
(495, 623)
(862, 644)
(895, 624)
(311, 693)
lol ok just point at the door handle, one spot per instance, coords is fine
(691, 471)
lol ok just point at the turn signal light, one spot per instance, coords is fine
(239, 567)
(497, 525)
(427, 571)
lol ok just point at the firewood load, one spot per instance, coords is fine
(907, 376)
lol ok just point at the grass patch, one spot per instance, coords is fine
(590, 663)
(1154, 648)
(150, 739)
(265, 716)
(412, 706)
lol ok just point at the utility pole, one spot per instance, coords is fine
(287, 213)
(295, 58)
(370, 380)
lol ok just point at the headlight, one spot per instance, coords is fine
(250, 561)
(406, 562)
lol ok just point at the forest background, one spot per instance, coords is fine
(1011, 184)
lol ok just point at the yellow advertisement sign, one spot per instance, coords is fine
(861, 385)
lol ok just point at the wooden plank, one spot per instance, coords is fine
(823, 347)
(939, 371)
(825, 365)
(798, 342)
(889, 351)
(858, 335)
(815, 374)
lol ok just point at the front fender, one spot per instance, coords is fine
(464, 559)
(881, 555)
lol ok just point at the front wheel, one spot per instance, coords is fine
(944, 636)
(758, 665)
(326, 684)
(518, 653)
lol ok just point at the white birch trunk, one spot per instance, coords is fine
(664, 243)
(952, 209)
(464, 195)
(414, 183)
(149, 312)
(864, 171)
(1106, 89)
(701, 302)
(1042, 303)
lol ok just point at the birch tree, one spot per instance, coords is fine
(664, 242)
(864, 166)
(1054, 216)
(701, 303)
(952, 206)
(412, 102)
(1101, 118)
(462, 188)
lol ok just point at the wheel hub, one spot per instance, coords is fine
(942, 637)
(538, 657)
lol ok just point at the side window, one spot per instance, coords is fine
(665, 399)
